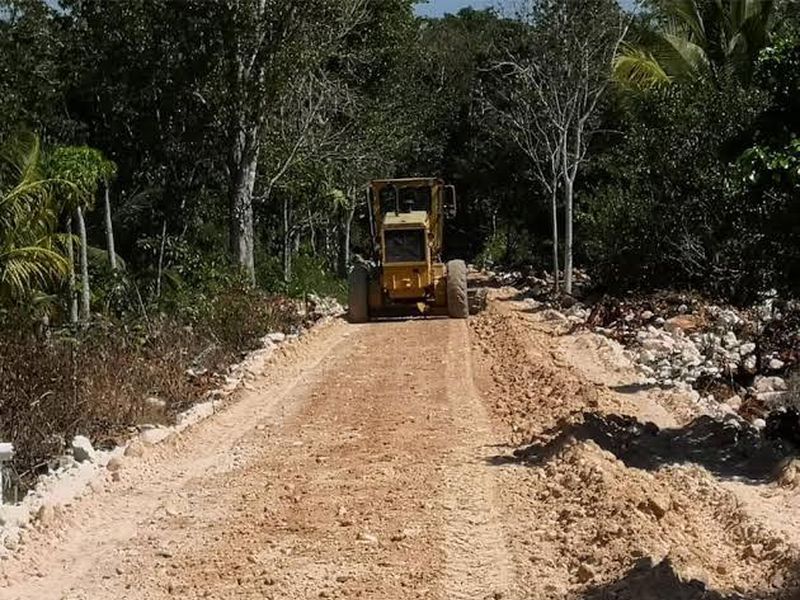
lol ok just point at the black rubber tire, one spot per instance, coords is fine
(457, 297)
(358, 295)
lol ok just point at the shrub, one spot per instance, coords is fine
(664, 206)
(97, 382)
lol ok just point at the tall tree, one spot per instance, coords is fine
(518, 98)
(109, 225)
(567, 67)
(81, 171)
(266, 45)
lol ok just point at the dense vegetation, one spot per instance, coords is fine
(159, 156)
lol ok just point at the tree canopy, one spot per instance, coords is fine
(239, 137)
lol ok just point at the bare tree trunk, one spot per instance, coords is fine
(112, 253)
(554, 211)
(287, 240)
(568, 197)
(348, 228)
(312, 231)
(345, 227)
(243, 166)
(73, 298)
(86, 298)
(161, 258)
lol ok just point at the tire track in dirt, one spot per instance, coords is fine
(353, 468)
(478, 563)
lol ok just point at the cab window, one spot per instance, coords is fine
(405, 199)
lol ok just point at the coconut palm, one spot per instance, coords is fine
(694, 40)
(30, 253)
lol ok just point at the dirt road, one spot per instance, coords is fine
(375, 461)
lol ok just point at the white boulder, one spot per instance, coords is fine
(776, 364)
(82, 449)
(770, 384)
(747, 348)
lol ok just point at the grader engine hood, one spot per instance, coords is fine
(405, 238)
(405, 254)
(415, 218)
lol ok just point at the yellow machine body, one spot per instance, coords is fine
(407, 226)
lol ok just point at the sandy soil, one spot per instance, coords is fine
(594, 510)
(422, 459)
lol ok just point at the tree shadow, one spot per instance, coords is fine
(649, 581)
(635, 388)
(519, 296)
(728, 449)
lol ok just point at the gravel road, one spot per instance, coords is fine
(377, 461)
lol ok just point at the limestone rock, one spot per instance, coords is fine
(82, 449)
(135, 449)
(683, 323)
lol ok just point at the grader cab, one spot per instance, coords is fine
(407, 228)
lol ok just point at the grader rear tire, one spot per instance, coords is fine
(358, 295)
(457, 297)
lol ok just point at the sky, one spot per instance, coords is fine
(436, 8)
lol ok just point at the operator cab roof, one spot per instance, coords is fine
(408, 181)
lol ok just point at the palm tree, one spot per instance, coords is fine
(692, 40)
(80, 170)
(30, 256)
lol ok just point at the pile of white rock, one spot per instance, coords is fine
(681, 349)
(319, 307)
(684, 349)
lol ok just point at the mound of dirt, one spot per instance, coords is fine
(593, 515)
(611, 506)
(519, 372)
(728, 448)
(649, 581)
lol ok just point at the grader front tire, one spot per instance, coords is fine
(358, 295)
(457, 297)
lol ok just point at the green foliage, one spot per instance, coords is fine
(776, 164)
(30, 257)
(77, 172)
(157, 86)
(665, 208)
(494, 252)
(31, 68)
(691, 40)
(310, 275)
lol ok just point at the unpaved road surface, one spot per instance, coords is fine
(378, 461)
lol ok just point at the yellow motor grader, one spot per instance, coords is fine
(407, 227)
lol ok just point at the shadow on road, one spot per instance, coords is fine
(635, 388)
(726, 448)
(648, 581)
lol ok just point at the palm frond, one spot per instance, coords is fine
(30, 249)
(23, 270)
(683, 58)
(700, 39)
(637, 68)
(686, 16)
